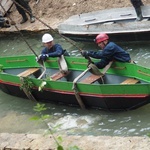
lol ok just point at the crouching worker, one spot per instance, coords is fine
(110, 52)
(50, 48)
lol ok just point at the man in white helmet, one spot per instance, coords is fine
(50, 49)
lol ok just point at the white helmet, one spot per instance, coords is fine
(47, 38)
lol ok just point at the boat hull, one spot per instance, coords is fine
(116, 37)
(119, 23)
(101, 101)
(19, 76)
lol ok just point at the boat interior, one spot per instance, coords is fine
(72, 75)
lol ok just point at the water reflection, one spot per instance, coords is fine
(15, 112)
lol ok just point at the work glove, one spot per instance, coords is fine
(42, 57)
(84, 54)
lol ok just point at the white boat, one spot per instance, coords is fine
(119, 23)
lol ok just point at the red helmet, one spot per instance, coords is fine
(101, 37)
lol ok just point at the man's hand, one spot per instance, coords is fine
(85, 54)
(42, 57)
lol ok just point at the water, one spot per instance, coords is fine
(15, 113)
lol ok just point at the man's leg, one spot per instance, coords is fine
(22, 12)
(141, 3)
(29, 11)
(139, 13)
(137, 6)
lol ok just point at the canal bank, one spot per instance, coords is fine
(37, 141)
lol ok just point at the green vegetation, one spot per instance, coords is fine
(26, 84)
(39, 109)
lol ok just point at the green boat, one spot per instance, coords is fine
(125, 86)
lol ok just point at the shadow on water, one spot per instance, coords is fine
(15, 112)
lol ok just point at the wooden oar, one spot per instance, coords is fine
(74, 87)
(107, 67)
(62, 64)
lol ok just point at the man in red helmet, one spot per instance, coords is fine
(110, 51)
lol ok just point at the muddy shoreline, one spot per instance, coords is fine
(36, 141)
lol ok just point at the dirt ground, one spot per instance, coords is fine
(54, 12)
(40, 142)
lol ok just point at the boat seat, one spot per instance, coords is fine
(130, 81)
(28, 72)
(58, 75)
(91, 79)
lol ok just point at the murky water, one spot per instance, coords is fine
(15, 113)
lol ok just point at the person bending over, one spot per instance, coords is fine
(110, 52)
(50, 48)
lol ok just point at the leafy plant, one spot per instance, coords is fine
(26, 84)
(39, 108)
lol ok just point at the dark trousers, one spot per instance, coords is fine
(25, 5)
(137, 6)
(2, 20)
(136, 3)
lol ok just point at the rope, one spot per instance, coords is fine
(19, 31)
(47, 26)
(40, 62)
(55, 31)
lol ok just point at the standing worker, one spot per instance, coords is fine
(137, 6)
(26, 9)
